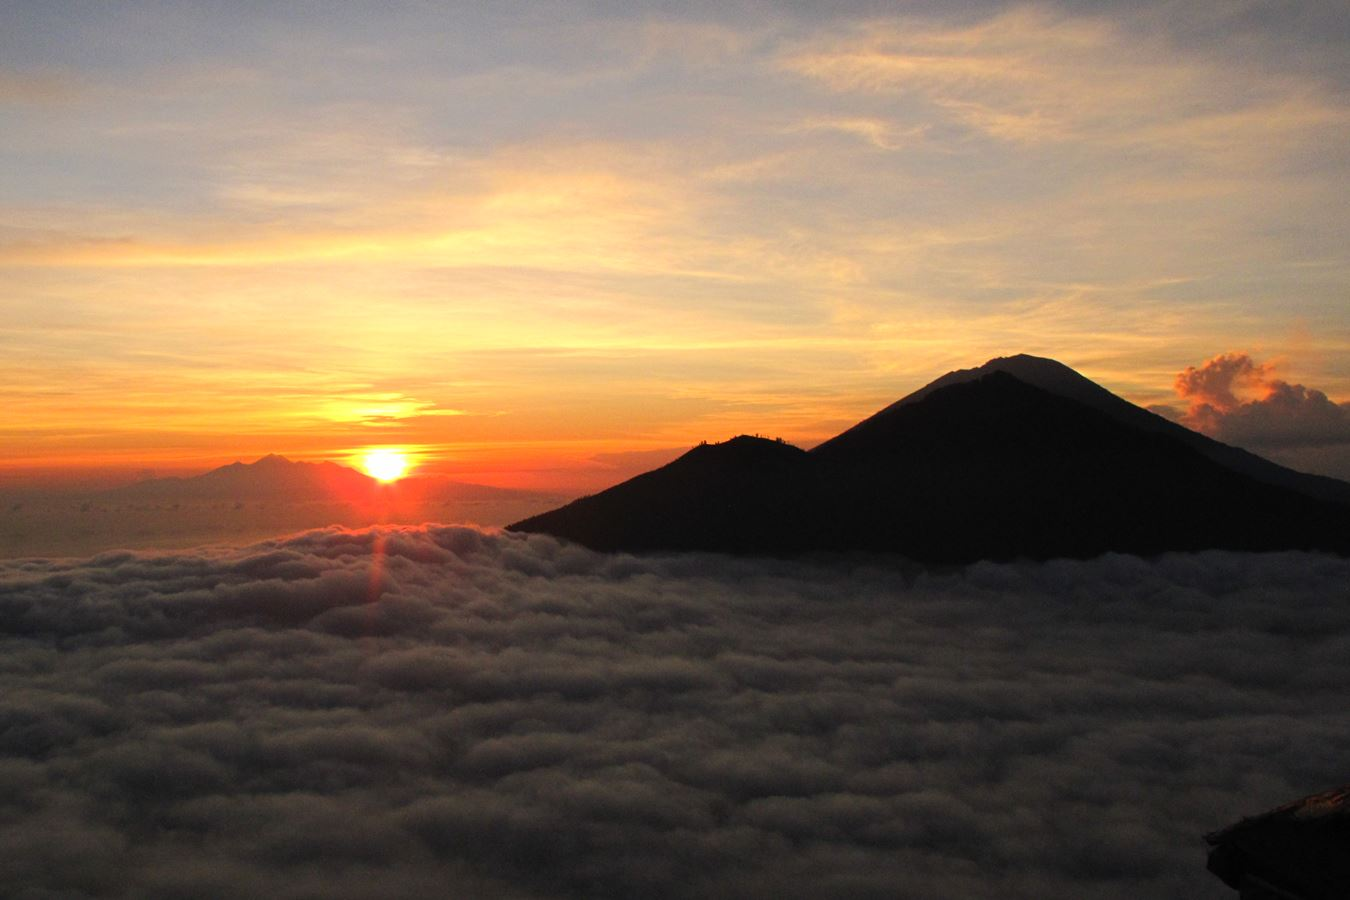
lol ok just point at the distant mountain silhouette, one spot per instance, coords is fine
(279, 479)
(980, 464)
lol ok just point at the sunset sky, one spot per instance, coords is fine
(533, 242)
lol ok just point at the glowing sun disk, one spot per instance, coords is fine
(385, 465)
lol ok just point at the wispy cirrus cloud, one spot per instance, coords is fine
(37, 87)
(1034, 74)
(387, 410)
(803, 203)
(877, 132)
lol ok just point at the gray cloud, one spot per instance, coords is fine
(443, 711)
(1289, 415)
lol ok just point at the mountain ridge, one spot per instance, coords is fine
(965, 469)
(1056, 378)
(276, 477)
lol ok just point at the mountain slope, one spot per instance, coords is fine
(747, 495)
(1057, 378)
(998, 468)
(986, 468)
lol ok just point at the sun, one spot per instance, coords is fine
(385, 465)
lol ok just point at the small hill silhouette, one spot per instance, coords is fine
(978, 465)
(746, 495)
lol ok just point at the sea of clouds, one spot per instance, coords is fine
(447, 712)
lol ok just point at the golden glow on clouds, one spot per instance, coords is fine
(716, 227)
(381, 410)
(1031, 76)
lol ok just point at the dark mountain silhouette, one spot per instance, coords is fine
(745, 496)
(1299, 851)
(276, 478)
(987, 466)
(1057, 378)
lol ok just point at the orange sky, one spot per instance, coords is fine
(519, 242)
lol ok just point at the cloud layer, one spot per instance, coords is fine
(443, 711)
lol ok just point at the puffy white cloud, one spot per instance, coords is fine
(443, 711)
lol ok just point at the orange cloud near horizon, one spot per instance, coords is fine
(1238, 400)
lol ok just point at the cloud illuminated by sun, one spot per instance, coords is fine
(385, 465)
